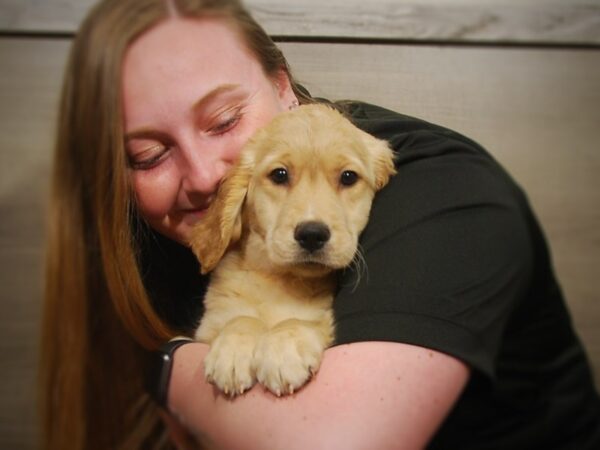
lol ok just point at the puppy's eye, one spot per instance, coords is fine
(279, 176)
(348, 177)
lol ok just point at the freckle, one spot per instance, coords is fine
(398, 378)
(430, 354)
(380, 399)
(304, 418)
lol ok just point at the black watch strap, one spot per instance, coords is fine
(161, 367)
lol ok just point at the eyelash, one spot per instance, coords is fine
(149, 163)
(226, 126)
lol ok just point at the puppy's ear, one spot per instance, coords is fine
(221, 226)
(382, 157)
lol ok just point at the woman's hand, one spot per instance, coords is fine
(366, 395)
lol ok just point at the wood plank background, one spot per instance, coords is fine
(492, 21)
(520, 77)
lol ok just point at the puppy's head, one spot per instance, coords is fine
(300, 194)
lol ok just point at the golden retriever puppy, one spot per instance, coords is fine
(285, 218)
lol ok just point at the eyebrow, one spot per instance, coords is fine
(198, 104)
(145, 133)
(219, 90)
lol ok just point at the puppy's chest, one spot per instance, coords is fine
(272, 299)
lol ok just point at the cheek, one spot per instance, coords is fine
(233, 145)
(357, 204)
(266, 205)
(155, 193)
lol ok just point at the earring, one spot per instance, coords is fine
(294, 105)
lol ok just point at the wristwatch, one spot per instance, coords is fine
(161, 366)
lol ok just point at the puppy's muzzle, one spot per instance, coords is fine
(312, 235)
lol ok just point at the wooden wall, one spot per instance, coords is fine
(522, 77)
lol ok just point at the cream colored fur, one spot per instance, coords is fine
(268, 307)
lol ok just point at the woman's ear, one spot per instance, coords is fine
(221, 226)
(283, 86)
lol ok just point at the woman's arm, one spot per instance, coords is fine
(366, 395)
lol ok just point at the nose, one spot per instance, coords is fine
(202, 173)
(312, 235)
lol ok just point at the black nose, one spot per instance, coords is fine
(312, 235)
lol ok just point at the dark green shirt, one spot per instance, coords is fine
(456, 262)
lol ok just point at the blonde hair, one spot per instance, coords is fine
(98, 323)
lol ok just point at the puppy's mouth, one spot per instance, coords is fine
(310, 269)
(312, 263)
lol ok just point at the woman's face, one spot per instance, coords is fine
(192, 96)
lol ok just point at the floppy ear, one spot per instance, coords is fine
(221, 226)
(382, 157)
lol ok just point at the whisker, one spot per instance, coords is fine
(360, 267)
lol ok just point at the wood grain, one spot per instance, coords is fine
(576, 22)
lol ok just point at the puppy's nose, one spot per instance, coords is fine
(312, 235)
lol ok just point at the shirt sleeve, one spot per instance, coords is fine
(446, 255)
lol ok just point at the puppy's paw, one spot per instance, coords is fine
(228, 364)
(287, 357)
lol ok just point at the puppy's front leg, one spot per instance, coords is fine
(289, 354)
(229, 362)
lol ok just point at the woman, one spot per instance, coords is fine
(457, 339)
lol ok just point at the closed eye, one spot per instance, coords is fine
(150, 158)
(225, 126)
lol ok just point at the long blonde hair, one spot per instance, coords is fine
(99, 324)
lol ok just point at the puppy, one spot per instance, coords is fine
(285, 218)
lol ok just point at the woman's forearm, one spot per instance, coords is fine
(366, 395)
